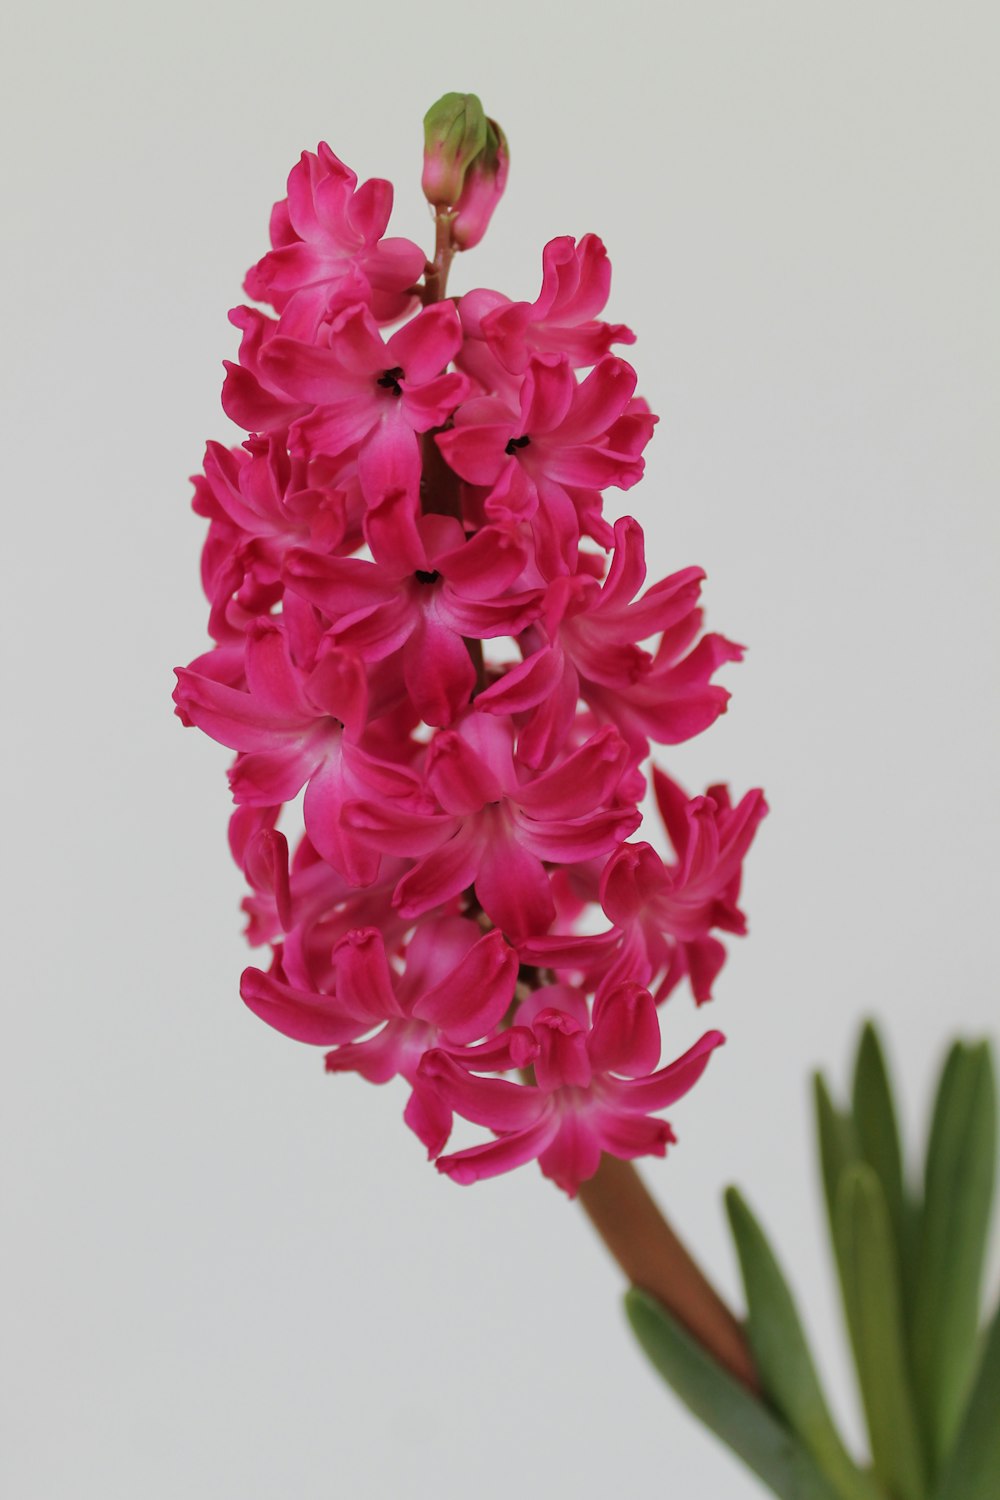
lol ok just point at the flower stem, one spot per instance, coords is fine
(436, 274)
(652, 1257)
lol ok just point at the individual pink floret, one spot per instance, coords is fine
(595, 1088)
(586, 645)
(563, 319)
(373, 394)
(663, 912)
(494, 824)
(295, 728)
(425, 593)
(558, 436)
(328, 231)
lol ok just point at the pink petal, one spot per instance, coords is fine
(303, 1016)
(439, 876)
(495, 1157)
(574, 1155)
(429, 1118)
(389, 461)
(474, 998)
(485, 1101)
(462, 780)
(427, 344)
(547, 394)
(626, 1032)
(512, 886)
(599, 401)
(437, 669)
(486, 565)
(475, 453)
(567, 841)
(642, 1096)
(363, 978)
(398, 829)
(583, 781)
(629, 1136)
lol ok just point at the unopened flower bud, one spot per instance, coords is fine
(482, 190)
(455, 133)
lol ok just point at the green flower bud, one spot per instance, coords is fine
(455, 132)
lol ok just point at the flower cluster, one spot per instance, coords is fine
(424, 622)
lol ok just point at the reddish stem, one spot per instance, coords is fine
(654, 1259)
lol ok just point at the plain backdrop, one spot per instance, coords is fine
(227, 1276)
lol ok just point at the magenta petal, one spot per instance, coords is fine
(440, 875)
(583, 781)
(486, 565)
(363, 977)
(305, 1017)
(429, 1118)
(323, 813)
(705, 957)
(629, 1136)
(378, 1058)
(476, 453)
(262, 777)
(437, 669)
(389, 461)
(494, 1102)
(474, 997)
(512, 886)
(626, 1032)
(496, 1157)
(574, 1155)
(547, 394)
(271, 678)
(462, 780)
(432, 404)
(396, 829)
(642, 1096)
(427, 344)
(599, 401)
(524, 685)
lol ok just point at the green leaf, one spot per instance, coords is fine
(878, 1140)
(782, 1356)
(838, 1144)
(960, 1173)
(725, 1406)
(870, 1279)
(973, 1468)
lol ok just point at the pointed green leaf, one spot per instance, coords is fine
(782, 1356)
(960, 1175)
(838, 1144)
(878, 1140)
(870, 1279)
(725, 1406)
(973, 1468)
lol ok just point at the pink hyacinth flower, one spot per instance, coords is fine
(664, 913)
(498, 825)
(374, 394)
(595, 1089)
(591, 650)
(329, 230)
(529, 459)
(563, 319)
(426, 591)
(297, 728)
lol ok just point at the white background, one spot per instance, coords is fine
(228, 1276)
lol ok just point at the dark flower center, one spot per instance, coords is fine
(514, 444)
(389, 380)
(423, 577)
